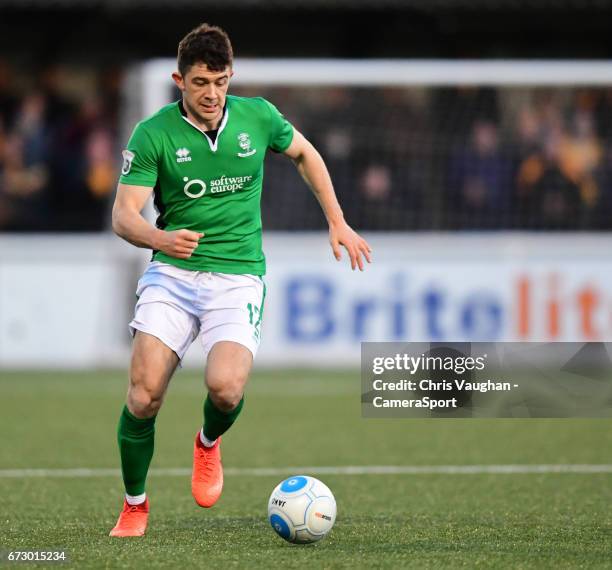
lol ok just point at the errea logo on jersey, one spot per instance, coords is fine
(182, 155)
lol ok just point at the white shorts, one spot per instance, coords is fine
(176, 305)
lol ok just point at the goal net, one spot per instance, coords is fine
(431, 145)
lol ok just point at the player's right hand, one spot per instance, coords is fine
(178, 243)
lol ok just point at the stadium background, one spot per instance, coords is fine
(489, 209)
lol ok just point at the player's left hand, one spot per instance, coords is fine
(341, 234)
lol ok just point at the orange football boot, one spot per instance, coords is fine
(207, 475)
(132, 520)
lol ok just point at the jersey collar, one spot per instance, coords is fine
(211, 144)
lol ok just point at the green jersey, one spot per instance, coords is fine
(209, 185)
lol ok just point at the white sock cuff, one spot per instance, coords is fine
(205, 441)
(136, 499)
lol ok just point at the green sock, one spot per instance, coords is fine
(136, 438)
(216, 422)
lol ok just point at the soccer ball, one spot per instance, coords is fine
(301, 509)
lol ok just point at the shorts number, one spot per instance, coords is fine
(254, 312)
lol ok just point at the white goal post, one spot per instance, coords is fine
(155, 75)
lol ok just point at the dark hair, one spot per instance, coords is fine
(205, 44)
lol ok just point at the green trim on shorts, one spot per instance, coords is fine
(261, 305)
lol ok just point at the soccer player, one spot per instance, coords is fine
(202, 158)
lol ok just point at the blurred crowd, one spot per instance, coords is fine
(458, 158)
(58, 157)
(401, 159)
(535, 160)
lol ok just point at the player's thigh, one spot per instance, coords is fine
(227, 372)
(164, 328)
(152, 365)
(153, 362)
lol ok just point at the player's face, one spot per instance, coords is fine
(204, 92)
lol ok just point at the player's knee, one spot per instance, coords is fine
(143, 402)
(226, 395)
(229, 401)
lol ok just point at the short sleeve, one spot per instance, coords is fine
(140, 159)
(281, 133)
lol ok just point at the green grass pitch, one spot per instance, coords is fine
(300, 418)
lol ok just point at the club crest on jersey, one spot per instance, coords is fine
(244, 141)
(182, 155)
(128, 157)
